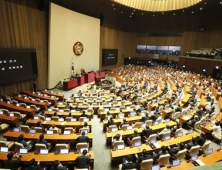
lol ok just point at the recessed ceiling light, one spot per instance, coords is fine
(220, 2)
(121, 12)
(114, 8)
(112, 4)
(154, 15)
(192, 12)
(132, 12)
(205, 3)
(162, 12)
(130, 16)
(142, 13)
(174, 14)
(183, 10)
(201, 8)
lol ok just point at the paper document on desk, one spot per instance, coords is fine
(63, 123)
(200, 162)
(45, 122)
(186, 117)
(156, 145)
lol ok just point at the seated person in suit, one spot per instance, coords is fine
(124, 122)
(41, 140)
(111, 122)
(190, 122)
(85, 126)
(53, 127)
(145, 156)
(83, 138)
(117, 137)
(162, 152)
(146, 133)
(146, 117)
(190, 144)
(199, 112)
(177, 126)
(176, 148)
(83, 160)
(83, 114)
(200, 140)
(128, 163)
(32, 165)
(27, 124)
(23, 142)
(108, 116)
(134, 135)
(166, 129)
(10, 163)
(155, 116)
(58, 166)
(40, 125)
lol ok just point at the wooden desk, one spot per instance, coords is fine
(128, 133)
(64, 114)
(130, 120)
(116, 156)
(53, 100)
(29, 112)
(55, 138)
(14, 121)
(48, 124)
(50, 158)
(67, 85)
(43, 106)
(60, 96)
(189, 116)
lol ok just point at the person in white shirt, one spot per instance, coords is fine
(216, 130)
(166, 129)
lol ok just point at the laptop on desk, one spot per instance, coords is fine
(120, 147)
(156, 167)
(176, 162)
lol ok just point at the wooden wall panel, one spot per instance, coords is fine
(126, 43)
(24, 26)
(197, 65)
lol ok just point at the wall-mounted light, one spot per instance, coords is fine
(184, 66)
(204, 70)
(217, 67)
(129, 57)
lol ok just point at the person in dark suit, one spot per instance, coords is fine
(83, 114)
(154, 117)
(128, 163)
(134, 135)
(41, 140)
(58, 166)
(123, 123)
(83, 138)
(83, 160)
(200, 140)
(23, 142)
(162, 152)
(199, 112)
(40, 125)
(145, 156)
(177, 148)
(191, 122)
(12, 164)
(146, 133)
(32, 165)
(190, 144)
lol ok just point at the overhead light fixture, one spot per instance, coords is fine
(157, 5)
(132, 12)
(201, 8)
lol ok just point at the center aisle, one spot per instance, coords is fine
(101, 152)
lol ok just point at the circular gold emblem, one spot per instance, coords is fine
(78, 48)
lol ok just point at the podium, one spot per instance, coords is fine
(67, 85)
(91, 77)
(101, 74)
(81, 80)
(98, 80)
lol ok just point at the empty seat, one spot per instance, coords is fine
(81, 145)
(3, 126)
(7, 144)
(61, 146)
(25, 128)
